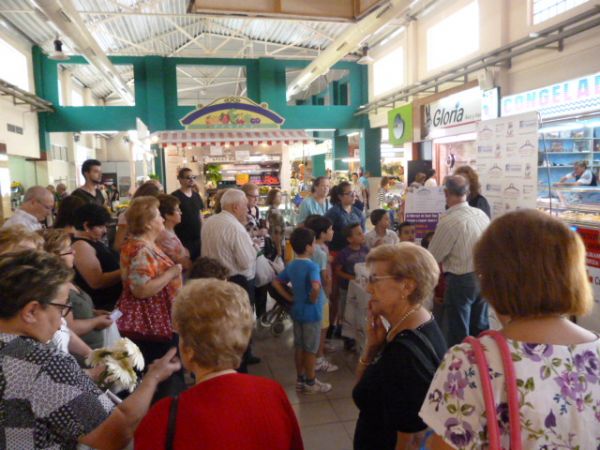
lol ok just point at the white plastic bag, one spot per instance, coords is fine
(110, 335)
(264, 271)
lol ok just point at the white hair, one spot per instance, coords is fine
(232, 197)
(36, 193)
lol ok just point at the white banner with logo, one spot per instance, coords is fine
(452, 111)
(507, 161)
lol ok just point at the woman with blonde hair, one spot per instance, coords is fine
(225, 409)
(475, 199)
(17, 237)
(397, 365)
(533, 273)
(151, 281)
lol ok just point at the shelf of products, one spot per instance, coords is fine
(560, 146)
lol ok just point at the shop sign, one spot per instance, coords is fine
(400, 125)
(232, 113)
(454, 110)
(575, 96)
(424, 206)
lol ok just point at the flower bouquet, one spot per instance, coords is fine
(119, 362)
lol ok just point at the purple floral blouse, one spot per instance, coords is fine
(559, 392)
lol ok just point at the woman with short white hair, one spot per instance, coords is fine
(397, 366)
(224, 409)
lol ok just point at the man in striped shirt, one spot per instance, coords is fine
(465, 312)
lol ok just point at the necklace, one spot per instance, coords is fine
(393, 331)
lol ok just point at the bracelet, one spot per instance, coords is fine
(363, 363)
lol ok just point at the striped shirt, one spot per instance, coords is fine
(455, 236)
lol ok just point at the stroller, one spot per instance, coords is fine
(275, 317)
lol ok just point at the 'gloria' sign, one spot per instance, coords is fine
(569, 97)
(454, 110)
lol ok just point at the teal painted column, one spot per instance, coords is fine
(318, 165)
(340, 151)
(38, 78)
(370, 150)
(154, 93)
(159, 162)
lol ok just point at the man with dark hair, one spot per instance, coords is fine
(407, 232)
(91, 169)
(465, 312)
(191, 205)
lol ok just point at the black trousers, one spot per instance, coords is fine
(175, 384)
(249, 287)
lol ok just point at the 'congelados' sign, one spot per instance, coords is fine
(569, 97)
(454, 110)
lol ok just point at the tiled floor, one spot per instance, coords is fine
(327, 420)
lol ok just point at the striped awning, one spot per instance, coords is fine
(232, 137)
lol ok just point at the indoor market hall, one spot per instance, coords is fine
(299, 224)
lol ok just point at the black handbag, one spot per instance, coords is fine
(172, 424)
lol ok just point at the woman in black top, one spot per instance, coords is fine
(97, 269)
(397, 366)
(475, 199)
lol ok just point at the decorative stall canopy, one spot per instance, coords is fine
(232, 112)
(232, 121)
(234, 138)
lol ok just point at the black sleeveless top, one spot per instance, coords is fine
(104, 298)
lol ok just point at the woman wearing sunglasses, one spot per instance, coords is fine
(397, 365)
(47, 401)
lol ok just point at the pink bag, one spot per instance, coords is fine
(488, 393)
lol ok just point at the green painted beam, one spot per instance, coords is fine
(340, 151)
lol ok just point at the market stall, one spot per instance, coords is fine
(231, 142)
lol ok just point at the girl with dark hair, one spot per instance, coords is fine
(475, 199)
(317, 202)
(65, 218)
(343, 213)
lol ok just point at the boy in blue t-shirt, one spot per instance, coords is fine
(323, 229)
(307, 308)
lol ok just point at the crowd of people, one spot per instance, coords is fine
(187, 291)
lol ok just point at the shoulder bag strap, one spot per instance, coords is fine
(427, 362)
(172, 423)
(511, 389)
(488, 394)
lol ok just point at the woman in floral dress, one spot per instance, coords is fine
(151, 280)
(532, 271)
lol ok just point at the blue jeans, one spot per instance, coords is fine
(465, 312)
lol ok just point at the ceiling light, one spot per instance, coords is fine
(57, 54)
(365, 58)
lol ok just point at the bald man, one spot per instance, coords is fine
(36, 206)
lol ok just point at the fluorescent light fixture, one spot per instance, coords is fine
(593, 124)
(457, 138)
(354, 133)
(347, 160)
(534, 35)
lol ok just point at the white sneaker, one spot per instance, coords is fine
(324, 365)
(317, 387)
(300, 386)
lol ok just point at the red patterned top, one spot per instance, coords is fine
(170, 244)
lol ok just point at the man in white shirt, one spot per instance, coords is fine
(37, 205)
(225, 239)
(465, 313)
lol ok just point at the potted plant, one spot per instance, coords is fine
(213, 174)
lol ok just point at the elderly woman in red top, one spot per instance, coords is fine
(151, 281)
(225, 409)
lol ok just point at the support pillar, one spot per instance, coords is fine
(340, 151)
(318, 165)
(370, 151)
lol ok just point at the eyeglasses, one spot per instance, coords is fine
(375, 278)
(252, 196)
(65, 309)
(190, 178)
(349, 193)
(70, 252)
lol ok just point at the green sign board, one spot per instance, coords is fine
(400, 124)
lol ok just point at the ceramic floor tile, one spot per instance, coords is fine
(326, 437)
(344, 408)
(317, 413)
(350, 426)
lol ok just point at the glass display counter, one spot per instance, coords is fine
(575, 205)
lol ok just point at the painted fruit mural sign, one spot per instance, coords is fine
(232, 113)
